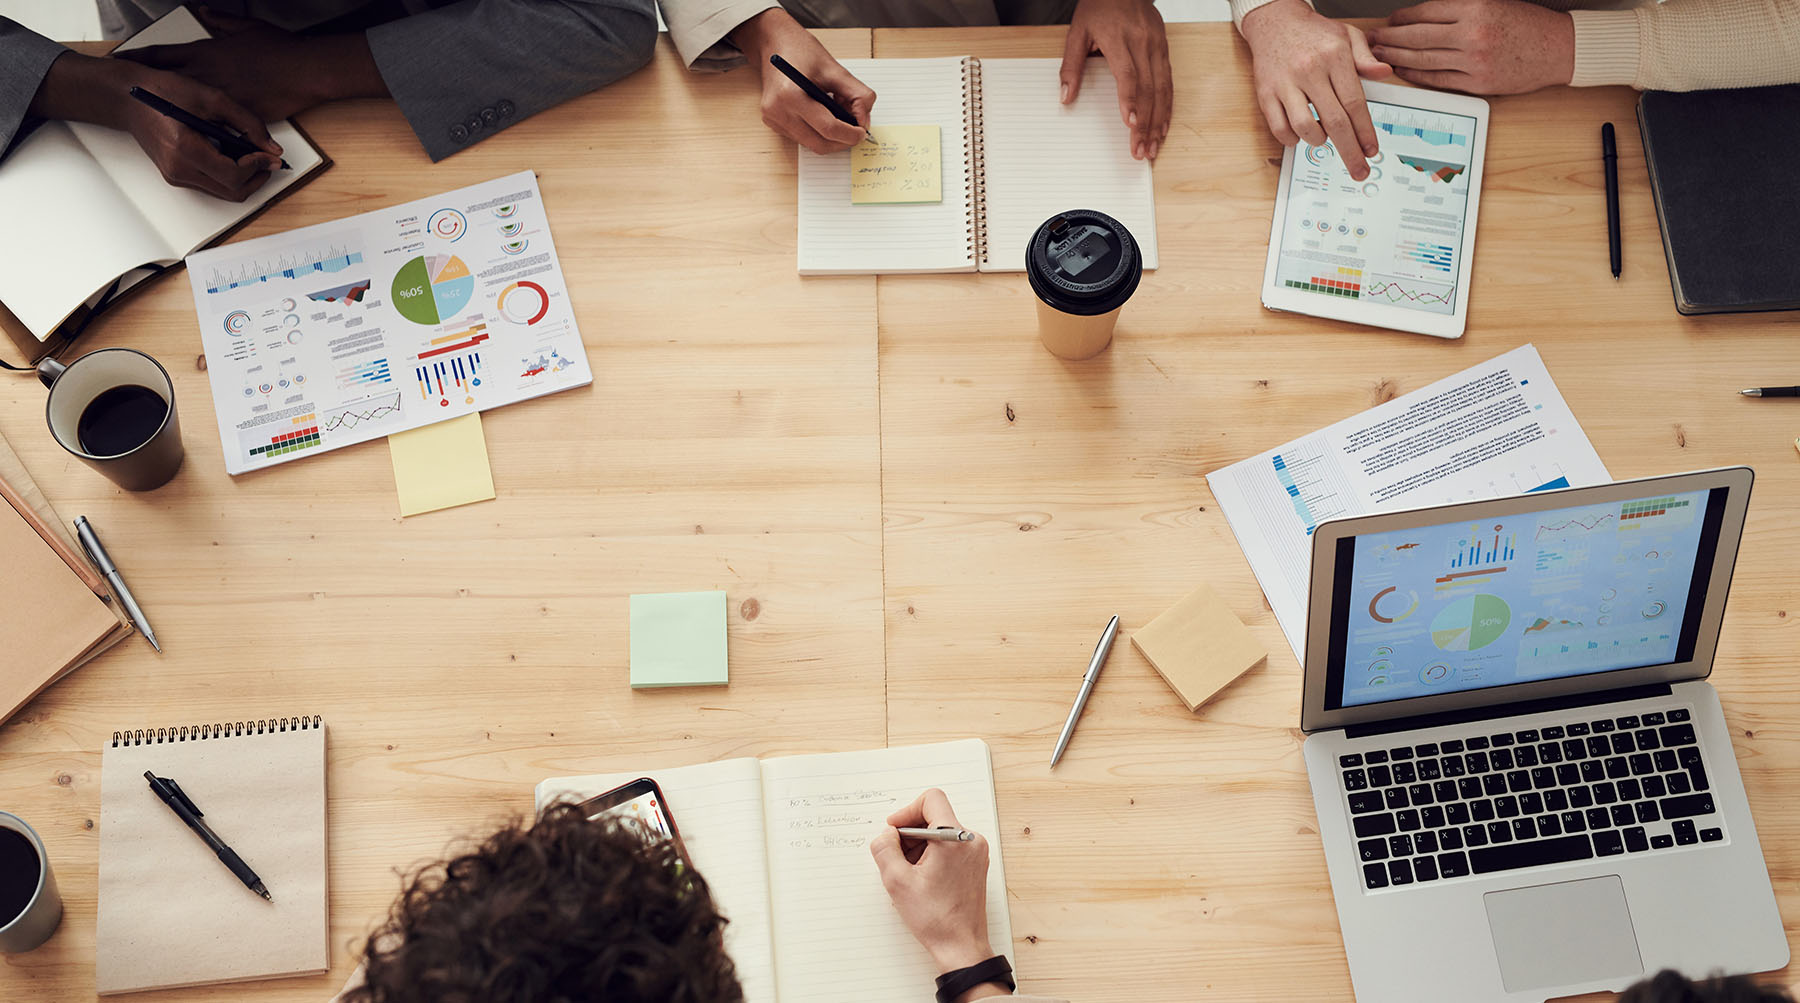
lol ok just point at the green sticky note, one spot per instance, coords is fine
(678, 639)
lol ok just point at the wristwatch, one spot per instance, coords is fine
(950, 985)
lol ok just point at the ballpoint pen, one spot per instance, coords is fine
(229, 143)
(171, 794)
(942, 834)
(1087, 687)
(1609, 156)
(97, 554)
(1771, 392)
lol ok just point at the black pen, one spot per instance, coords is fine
(190, 813)
(1771, 392)
(1609, 152)
(230, 143)
(815, 92)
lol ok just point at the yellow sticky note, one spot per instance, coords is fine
(441, 465)
(898, 163)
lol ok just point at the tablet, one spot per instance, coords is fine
(1394, 249)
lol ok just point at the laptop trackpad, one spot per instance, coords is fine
(1563, 934)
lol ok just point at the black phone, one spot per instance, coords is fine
(640, 805)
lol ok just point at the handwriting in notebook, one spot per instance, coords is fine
(898, 164)
(840, 820)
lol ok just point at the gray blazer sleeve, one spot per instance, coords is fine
(25, 56)
(466, 71)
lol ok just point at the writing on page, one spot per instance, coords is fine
(898, 164)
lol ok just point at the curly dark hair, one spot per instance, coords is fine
(566, 910)
(1669, 986)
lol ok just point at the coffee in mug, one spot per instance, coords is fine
(1083, 265)
(30, 907)
(115, 410)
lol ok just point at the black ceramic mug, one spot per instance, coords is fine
(115, 409)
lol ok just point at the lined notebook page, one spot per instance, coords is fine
(837, 937)
(719, 809)
(839, 238)
(1044, 157)
(170, 913)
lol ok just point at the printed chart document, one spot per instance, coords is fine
(784, 845)
(1497, 429)
(351, 330)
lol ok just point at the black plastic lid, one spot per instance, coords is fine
(1083, 262)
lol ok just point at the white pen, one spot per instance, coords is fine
(97, 554)
(942, 833)
(1087, 687)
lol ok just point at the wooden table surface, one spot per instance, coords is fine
(920, 517)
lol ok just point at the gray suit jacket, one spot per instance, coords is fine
(460, 72)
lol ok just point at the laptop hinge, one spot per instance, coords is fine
(1507, 710)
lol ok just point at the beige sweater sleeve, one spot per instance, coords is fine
(1685, 45)
(1241, 7)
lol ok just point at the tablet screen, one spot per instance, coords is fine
(1394, 238)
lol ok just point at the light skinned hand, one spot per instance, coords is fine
(275, 73)
(1479, 46)
(785, 107)
(938, 888)
(1300, 57)
(1129, 33)
(88, 89)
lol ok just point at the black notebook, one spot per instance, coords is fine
(1723, 166)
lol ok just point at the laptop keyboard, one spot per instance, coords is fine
(1499, 801)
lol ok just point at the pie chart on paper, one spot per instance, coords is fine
(433, 288)
(1470, 623)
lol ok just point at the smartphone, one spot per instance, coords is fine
(639, 804)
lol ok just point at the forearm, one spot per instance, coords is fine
(1690, 45)
(82, 88)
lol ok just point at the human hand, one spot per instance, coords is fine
(938, 888)
(88, 89)
(1479, 46)
(1299, 57)
(1129, 33)
(785, 107)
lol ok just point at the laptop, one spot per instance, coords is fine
(1524, 785)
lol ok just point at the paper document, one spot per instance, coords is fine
(1497, 429)
(355, 329)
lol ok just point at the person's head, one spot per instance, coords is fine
(565, 910)
(1669, 986)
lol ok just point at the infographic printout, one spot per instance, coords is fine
(347, 331)
(1499, 428)
(1540, 595)
(1394, 238)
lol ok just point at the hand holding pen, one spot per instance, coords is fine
(938, 884)
(788, 107)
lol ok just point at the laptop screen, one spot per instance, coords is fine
(1519, 599)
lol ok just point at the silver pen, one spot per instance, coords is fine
(942, 833)
(97, 554)
(1087, 687)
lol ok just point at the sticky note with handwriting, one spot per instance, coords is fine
(898, 164)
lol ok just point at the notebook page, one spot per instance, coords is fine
(1044, 157)
(718, 808)
(170, 913)
(837, 937)
(185, 219)
(837, 238)
(69, 230)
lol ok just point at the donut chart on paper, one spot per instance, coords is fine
(433, 288)
(524, 302)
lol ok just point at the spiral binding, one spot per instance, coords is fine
(202, 732)
(975, 156)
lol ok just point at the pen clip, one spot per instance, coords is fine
(181, 795)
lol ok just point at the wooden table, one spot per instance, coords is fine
(921, 518)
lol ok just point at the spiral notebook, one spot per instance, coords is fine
(1013, 157)
(171, 914)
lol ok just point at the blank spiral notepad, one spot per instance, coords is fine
(1013, 157)
(171, 914)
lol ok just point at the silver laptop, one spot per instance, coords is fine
(1525, 788)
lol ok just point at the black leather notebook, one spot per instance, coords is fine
(1725, 173)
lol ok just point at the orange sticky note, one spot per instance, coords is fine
(1198, 646)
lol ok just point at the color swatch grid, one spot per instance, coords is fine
(305, 436)
(1650, 507)
(1430, 255)
(1347, 282)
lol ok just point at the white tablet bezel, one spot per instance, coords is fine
(1376, 314)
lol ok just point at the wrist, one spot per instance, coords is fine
(1268, 13)
(80, 88)
(951, 956)
(756, 36)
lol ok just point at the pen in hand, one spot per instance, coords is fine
(816, 92)
(229, 143)
(941, 834)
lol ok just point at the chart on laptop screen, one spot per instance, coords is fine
(1523, 598)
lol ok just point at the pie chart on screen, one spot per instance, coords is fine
(433, 288)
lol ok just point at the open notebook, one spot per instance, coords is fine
(85, 205)
(783, 843)
(170, 913)
(1013, 156)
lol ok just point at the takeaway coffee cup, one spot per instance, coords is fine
(30, 907)
(1083, 265)
(115, 410)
